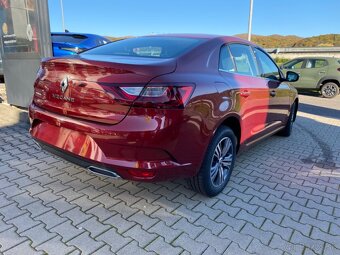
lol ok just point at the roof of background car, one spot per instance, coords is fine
(72, 33)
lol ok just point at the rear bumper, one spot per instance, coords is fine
(138, 148)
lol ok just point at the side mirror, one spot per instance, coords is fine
(292, 76)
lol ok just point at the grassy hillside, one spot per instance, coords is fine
(329, 40)
(282, 41)
(273, 41)
(279, 41)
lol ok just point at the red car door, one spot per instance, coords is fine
(278, 90)
(239, 69)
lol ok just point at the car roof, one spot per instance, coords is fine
(205, 36)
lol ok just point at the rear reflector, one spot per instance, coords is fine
(142, 173)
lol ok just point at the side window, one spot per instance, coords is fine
(226, 61)
(316, 63)
(294, 64)
(268, 68)
(243, 59)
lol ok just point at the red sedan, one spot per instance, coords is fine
(162, 107)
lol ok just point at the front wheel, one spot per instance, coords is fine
(289, 125)
(329, 90)
(217, 165)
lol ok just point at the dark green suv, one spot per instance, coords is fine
(316, 73)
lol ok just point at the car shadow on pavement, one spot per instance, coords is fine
(319, 110)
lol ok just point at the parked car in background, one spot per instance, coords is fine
(316, 73)
(162, 107)
(73, 43)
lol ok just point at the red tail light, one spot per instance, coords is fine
(158, 96)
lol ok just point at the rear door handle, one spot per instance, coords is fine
(245, 93)
(322, 72)
(272, 93)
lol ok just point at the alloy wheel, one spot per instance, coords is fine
(329, 90)
(222, 161)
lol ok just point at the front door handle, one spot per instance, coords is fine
(272, 93)
(322, 72)
(245, 93)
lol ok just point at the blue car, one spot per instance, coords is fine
(73, 43)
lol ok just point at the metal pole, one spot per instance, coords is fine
(250, 20)
(62, 14)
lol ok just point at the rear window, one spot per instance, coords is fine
(153, 47)
(76, 39)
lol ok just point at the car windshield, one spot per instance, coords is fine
(155, 47)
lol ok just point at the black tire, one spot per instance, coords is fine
(289, 125)
(204, 182)
(329, 90)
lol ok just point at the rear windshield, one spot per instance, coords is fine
(68, 38)
(154, 47)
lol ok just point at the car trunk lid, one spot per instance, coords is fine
(89, 87)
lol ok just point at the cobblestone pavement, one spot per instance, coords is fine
(283, 198)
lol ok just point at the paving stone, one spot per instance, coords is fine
(169, 234)
(10, 239)
(142, 237)
(10, 211)
(161, 247)
(24, 222)
(168, 218)
(67, 231)
(235, 249)
(242, 240)
(219, 244)
(146, 207)
(85, 243)
(23, 248)
(115, 240)
(192, 230)
(38, 235)
(55, 246)
(93, 226)
(263, 236)
(144, 220)
(207, 223)
(76, 215)
(100, 212)
(278, 243)
(119, 223)
(284, 232)
(258, 248)
(132, 248)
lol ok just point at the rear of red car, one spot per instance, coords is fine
(103, 110)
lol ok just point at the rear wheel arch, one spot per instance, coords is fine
(234, 124)
(325, 80)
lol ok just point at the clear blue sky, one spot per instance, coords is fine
(226, 17)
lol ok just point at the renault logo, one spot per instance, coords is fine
(64, 84)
